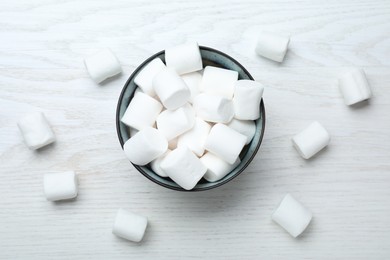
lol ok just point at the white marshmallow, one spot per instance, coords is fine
(142, 111)
(213, 108)
(311, 140)
(129, 226)
(171, 89)
(184, 58)
(219, 81)
(292, 216)
(225, 142)
(144, 79)
(354, 87)
(36, 130)
(173, 123)
(216, 167)
(247, 98)
(245, 127)
(192, 81)
(145, 146)
(195, 138)
(155, 164)
(60, 186)
(183, 167)
(272, 46)
(172, 144)
(102, 65)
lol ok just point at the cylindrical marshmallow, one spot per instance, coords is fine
(129, 226)
(225, 142)
(173, 123)
(311, 140)
(245, 127)
(354, 86)
(184, 58)
(272, 46)
(247, 98)
(192, 81)
(155, 164)
(60, 186)
(142, 111)
(212, 108)
(292, 216)
(144, 78)
(216, 167)
(219, 81)
(171, 89)
(102, 65)
(145, 146)
(183, 167)
(36, 130)
(195, 138)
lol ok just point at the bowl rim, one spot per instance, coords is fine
(262, 112)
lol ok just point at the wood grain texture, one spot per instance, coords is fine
(346, 186)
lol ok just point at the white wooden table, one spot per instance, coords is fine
(347, 186)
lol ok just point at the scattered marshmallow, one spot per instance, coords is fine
(219, 81)
(213, 108)
(247, 98)
(145, 146)
(142, 111)
(192, 81)
(171, 89)
(311, 140)
(144, 79)
(36, 130)
(195, 138)
(155, 164)
(292, 216)
(354, 87)
(102, 65)
(184, 58)
(225, 142)
(245, 127)
(272, 46)
(183, 167)
(216, 167)
(129, 226)
(60, 186)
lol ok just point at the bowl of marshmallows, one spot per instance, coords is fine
(190, 118)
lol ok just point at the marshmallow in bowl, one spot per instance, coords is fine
(60, 186)
(144, 79)
(354, 86)
(219, 81)
(212, 108)
(184, 58)
(272, 46)
(192, 81)
(129, 225)
(102, 65)
(216, 167)
(195, 138)
(247, 98)
(155, 164)
(36, 130)
(245, 127)
(145, 146)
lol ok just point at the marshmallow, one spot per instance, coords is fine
(184, 58)
(102, 65)
(145, 146)
(213, 108)
(247, 98)
(219, 81)
(272, 46)
(173, 123)
(245, 127)
(144, 78)
(354, 87)
(292, 216)
(225, 142)
(60, 186)
(171, 89)
(36, 130)
(142, 111)
(183, 167)
(192, 81)
(155, 164)
(311, 140)
(129, 226)
(195, 138)
(216, 167)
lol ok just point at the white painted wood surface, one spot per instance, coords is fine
(347, 186)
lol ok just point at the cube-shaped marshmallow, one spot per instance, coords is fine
(184, 58)
(102, 65)
(272, 46)
(144, 79)
(216, 167)
(129, 226)
(60, 186)
(212, 108)
(219, 81)
(354, 86)
(195, 138)
(247, 98)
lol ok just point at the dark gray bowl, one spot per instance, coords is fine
(210, 57)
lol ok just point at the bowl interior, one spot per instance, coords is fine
(210, 57)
